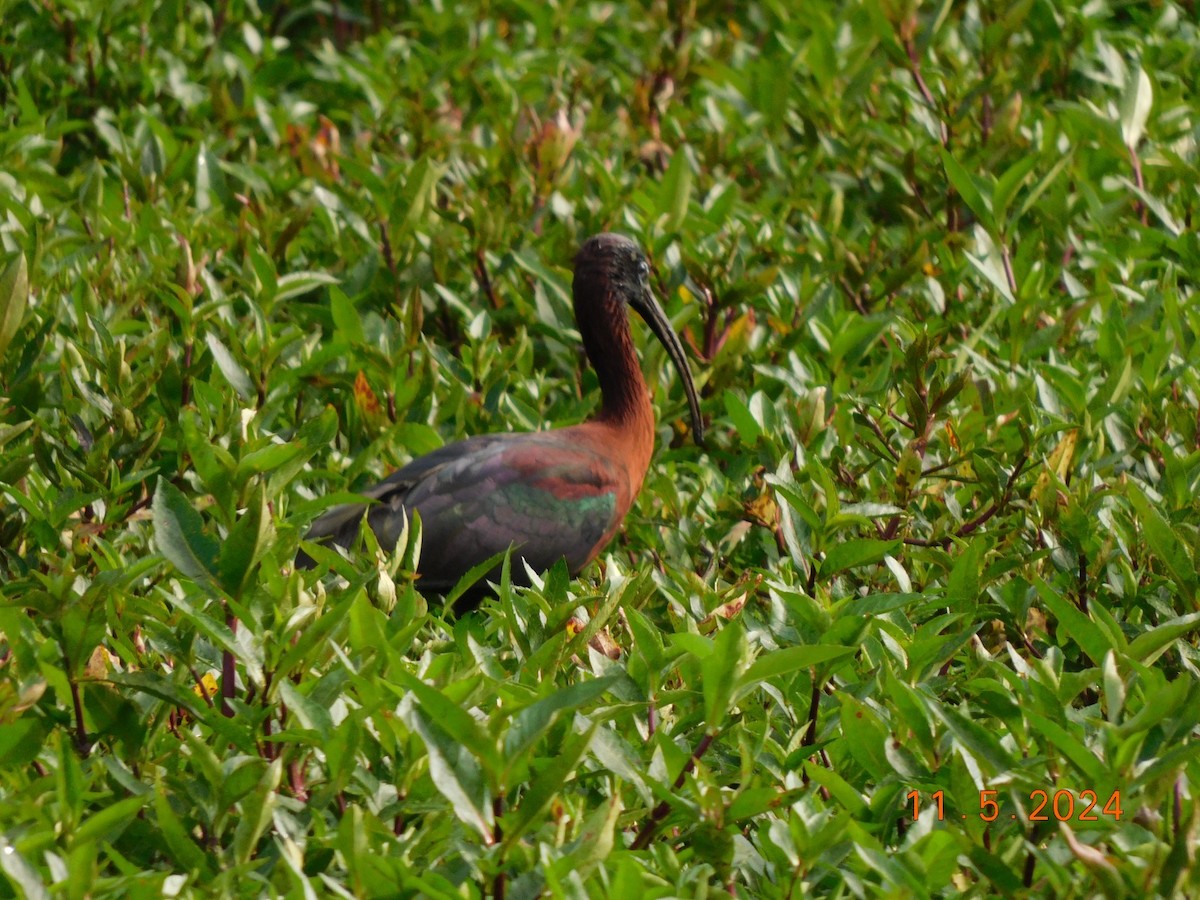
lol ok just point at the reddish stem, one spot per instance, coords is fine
(650, 825)
(228, 671)
(1143, 213)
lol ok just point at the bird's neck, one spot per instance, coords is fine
(625, 398)
(625, 406)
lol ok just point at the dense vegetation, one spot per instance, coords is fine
(935, 269)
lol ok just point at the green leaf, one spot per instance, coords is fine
(257, 812)
(1156, 206)
(313, 436)
(550, 280)
(647, 640)
(792, 659)
(213, 463)
(186, 855)
(721, 671)
(311, 715)
(83, 627)
(1164, 543)
(230, 368)
(8, 432)
(926, 653)
(21, 741)
(1008, 184)
(789, 492)
(211, 188)
(180, 536)
(864, 737)
(964, 582)
(297, 284)
(473, 575)
(152, 158)
(21, 873)
(1030, 200)
(111, 820)
(418, 193)
(989, 263)
(597, 838)
(163, 688)
(312, 639)
(696, 644)
(619, 757)
(549, 781)
(997, 870)
(268, 459)
(845, 794)
(1074, 624)
(630, 595)
(454, 769)
(748, 428)
(451, 719)
(1150, 645)
(236, 778)
(248, 540)
(854, 338)
(675, 191)
(975, 737)
(854, 553)
(14, 293)
(969, 190)
(1096, 775)
(346, 320)
(1114, 689)
(531, 723)
(1135, 106)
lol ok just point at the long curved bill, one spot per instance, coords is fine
(649, 309)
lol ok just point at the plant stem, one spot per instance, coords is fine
(650, 825)
(227, 670)
(1143, 213)
(81, 738)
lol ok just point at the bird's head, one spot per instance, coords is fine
(611, 272)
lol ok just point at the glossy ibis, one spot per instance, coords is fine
(550, 495)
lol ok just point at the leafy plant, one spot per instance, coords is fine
(920, 620)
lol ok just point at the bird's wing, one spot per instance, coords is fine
(542, 493)
(340, 524)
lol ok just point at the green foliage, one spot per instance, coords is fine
(935, 269)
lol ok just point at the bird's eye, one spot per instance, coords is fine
(643, 268)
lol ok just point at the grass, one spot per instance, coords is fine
(921, 618)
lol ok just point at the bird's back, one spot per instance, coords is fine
(550, 495)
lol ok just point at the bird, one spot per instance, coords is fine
(549, 495)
